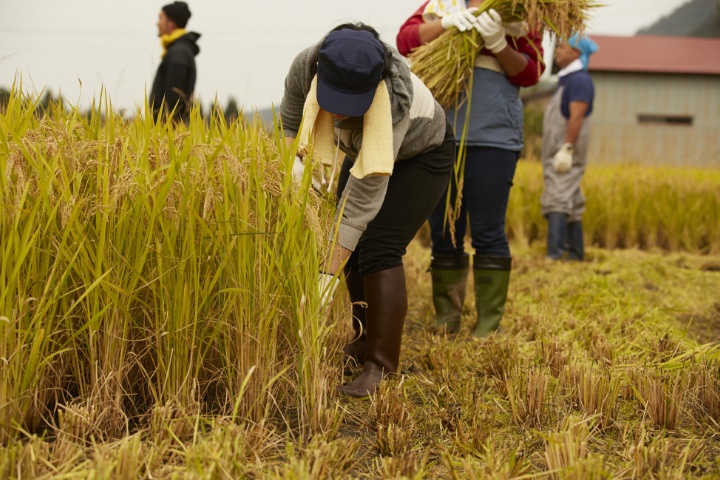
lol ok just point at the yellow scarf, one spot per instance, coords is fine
(166, 40)
(376, 157)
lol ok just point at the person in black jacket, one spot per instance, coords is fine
(175, 79)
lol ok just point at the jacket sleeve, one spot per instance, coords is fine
(360, 203)
(408, 38)
(531, 47)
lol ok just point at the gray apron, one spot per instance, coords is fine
(561, 192)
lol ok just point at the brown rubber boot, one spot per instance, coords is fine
(355, 350)
(386, 296)
(449, 283)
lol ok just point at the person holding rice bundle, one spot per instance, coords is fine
(354, 93)
(566, 135)
(492, 141)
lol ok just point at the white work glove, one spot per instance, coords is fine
(327, 285)
(516, 29)
(490, 26)
(463, 20)
(563, 159)
(298, 171)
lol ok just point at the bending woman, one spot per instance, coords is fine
(353, 92)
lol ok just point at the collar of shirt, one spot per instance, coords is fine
(575, 66)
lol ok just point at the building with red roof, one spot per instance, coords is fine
(657, 100)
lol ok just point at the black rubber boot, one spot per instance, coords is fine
(449, 283)
(386, 296)
(355, 350)
(492, 277)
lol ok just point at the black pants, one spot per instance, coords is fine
(487, 180)
(415, 188)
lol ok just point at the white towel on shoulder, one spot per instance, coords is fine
(376, 155)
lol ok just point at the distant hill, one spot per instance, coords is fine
(266, 114)
(696, 18)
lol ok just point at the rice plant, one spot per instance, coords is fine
(595, 393)
(527, 392)
(153, 271)
(663, 457)
(662, 395)
(567, 454)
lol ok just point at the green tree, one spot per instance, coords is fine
(232, 111)
(4, 98)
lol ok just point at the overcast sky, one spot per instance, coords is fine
(77, 46)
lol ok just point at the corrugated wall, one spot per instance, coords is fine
(619, 137)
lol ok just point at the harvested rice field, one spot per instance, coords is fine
(159, 319)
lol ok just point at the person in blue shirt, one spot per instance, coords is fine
(566, 135)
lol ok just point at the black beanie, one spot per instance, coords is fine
(178, 12)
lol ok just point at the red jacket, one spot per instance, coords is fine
(531, 46)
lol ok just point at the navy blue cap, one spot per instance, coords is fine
(350, 67)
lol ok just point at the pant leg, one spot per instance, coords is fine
(489, 174)
(557, 235)
(578, 206)
(575, 242)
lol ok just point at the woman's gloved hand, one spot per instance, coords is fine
(563, 159)
(490, 26)
(298, 171)
(463, 20)
(327, 285)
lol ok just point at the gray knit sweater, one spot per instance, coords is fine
(418, 126)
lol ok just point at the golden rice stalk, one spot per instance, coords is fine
(445, 65)
(568, 454)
